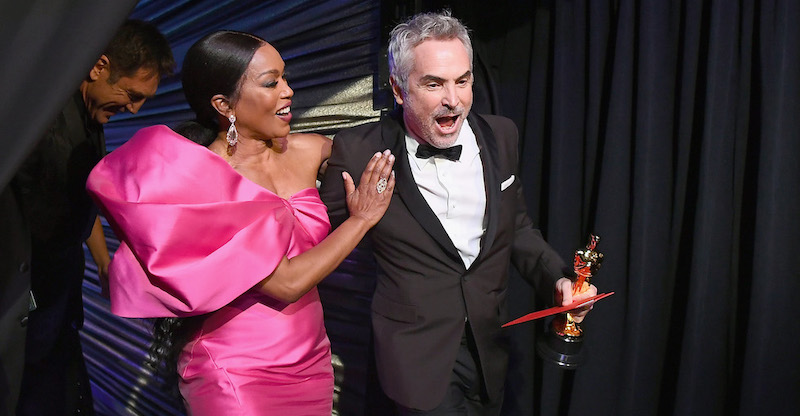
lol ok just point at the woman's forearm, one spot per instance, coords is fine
(294, 277)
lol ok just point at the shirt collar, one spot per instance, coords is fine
(466, 138)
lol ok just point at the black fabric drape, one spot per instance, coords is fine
(667, 128)
(48, 47)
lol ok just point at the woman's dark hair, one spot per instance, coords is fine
(214, 65)
(170, 335)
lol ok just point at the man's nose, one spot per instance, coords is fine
(134, 107)
(450, 97)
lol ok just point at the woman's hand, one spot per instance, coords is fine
(371, 199)
(296, 276)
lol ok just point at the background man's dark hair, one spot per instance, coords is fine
(138, 44)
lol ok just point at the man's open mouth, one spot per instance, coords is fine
(447, 122)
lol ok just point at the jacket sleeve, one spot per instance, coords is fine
(537, 262)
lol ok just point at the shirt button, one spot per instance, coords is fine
(23, 322)
(23, 267)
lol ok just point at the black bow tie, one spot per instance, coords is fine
(425, 151)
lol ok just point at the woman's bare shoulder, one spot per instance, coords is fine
(309, 138)
(312, 143)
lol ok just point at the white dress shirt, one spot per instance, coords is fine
(455, 191)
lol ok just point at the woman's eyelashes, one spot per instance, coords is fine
(273, 84)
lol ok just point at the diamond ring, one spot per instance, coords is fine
(381, 186)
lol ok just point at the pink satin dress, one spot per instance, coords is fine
(196, 237)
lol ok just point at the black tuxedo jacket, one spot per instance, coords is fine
(424, 293)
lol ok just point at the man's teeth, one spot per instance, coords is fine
(284, 111)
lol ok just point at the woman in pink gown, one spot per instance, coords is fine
(232, 239)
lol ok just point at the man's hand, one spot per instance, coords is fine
(564, 296)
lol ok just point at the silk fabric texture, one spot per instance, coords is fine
(196, 237)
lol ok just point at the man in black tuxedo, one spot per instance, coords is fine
(456, 223)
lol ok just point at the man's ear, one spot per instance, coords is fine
(396, 91)
(102, 64)
(222, 105)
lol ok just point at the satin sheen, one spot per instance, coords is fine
(196, 236)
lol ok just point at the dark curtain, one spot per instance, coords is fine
(669, 129)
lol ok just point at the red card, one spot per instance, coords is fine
(557, 309)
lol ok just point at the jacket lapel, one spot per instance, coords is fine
(406, 187)
(490, 161)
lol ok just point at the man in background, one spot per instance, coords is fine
(49, 189)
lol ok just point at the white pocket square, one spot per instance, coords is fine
(506, 183)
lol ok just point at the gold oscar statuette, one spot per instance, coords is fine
(563, 343)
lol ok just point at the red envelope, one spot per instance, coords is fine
(558, 309)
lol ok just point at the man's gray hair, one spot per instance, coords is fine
(419, 28)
